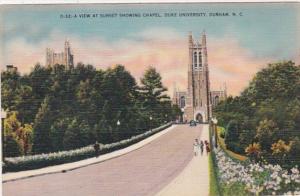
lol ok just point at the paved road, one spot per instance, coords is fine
(142, 172)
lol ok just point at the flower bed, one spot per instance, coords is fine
(42, 160)
(246, 178)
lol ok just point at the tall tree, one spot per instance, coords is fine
(10, 83)
(119, 90)
(42, 125)
(153, 95)
(78, 134)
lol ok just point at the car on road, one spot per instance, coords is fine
(193, 123)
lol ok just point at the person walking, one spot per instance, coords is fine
(207, 148)
(196, 147)
(201, 147)
(206, 142)
(97, 148)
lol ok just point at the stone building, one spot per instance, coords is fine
(63, 58)
(217, 96)
(11, 68)
(198, 100)
(179, 98)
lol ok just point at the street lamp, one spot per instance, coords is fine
(150, 123)
(166, 118)
(215, 122)
(3, 116)
(118, 123)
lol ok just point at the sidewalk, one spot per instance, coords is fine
(194, 179)
(75, 165)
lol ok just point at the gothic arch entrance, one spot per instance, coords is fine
(199, 118)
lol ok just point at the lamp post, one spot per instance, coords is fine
(3, 116)
(150, 123)
(215, 122)
(118, 126)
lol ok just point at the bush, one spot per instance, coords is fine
(11, 147)
(232, 140)
(222, 133)
(14, 164)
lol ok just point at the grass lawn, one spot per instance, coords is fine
(230, 153)
(213, 183)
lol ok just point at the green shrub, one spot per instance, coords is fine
(222, 133)
(11, 147)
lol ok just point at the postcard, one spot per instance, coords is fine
(164, 99)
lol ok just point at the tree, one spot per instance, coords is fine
(11, 145)
(42, 124)
(24, 103)
(106, 123)
(10, 82)
(119, 90)
(78, 134)
(17, 134)
(266, 134)
(51, 101)
(40, 83)
(278, 80)
(176, 112)
(153, 94)
(90, 101)
(26, 138)
(267, 110)
(57, 133)
(232, 136)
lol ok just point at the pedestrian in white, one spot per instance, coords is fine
(196, 147)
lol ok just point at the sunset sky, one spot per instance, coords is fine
(238, 46)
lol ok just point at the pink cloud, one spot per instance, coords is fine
(162, 48)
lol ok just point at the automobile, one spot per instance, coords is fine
(193, 123)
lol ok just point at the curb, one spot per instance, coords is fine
(14, 176)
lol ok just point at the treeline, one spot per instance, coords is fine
(54, 108)
(264, 121)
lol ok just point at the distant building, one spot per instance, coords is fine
(11, 68)
(198, 100)
(63, 58)
(179, 98)
(217, 96)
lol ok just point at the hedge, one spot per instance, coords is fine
(13, 164)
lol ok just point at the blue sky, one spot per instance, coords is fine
(265, 31)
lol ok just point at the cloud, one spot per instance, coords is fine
(163, 48)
